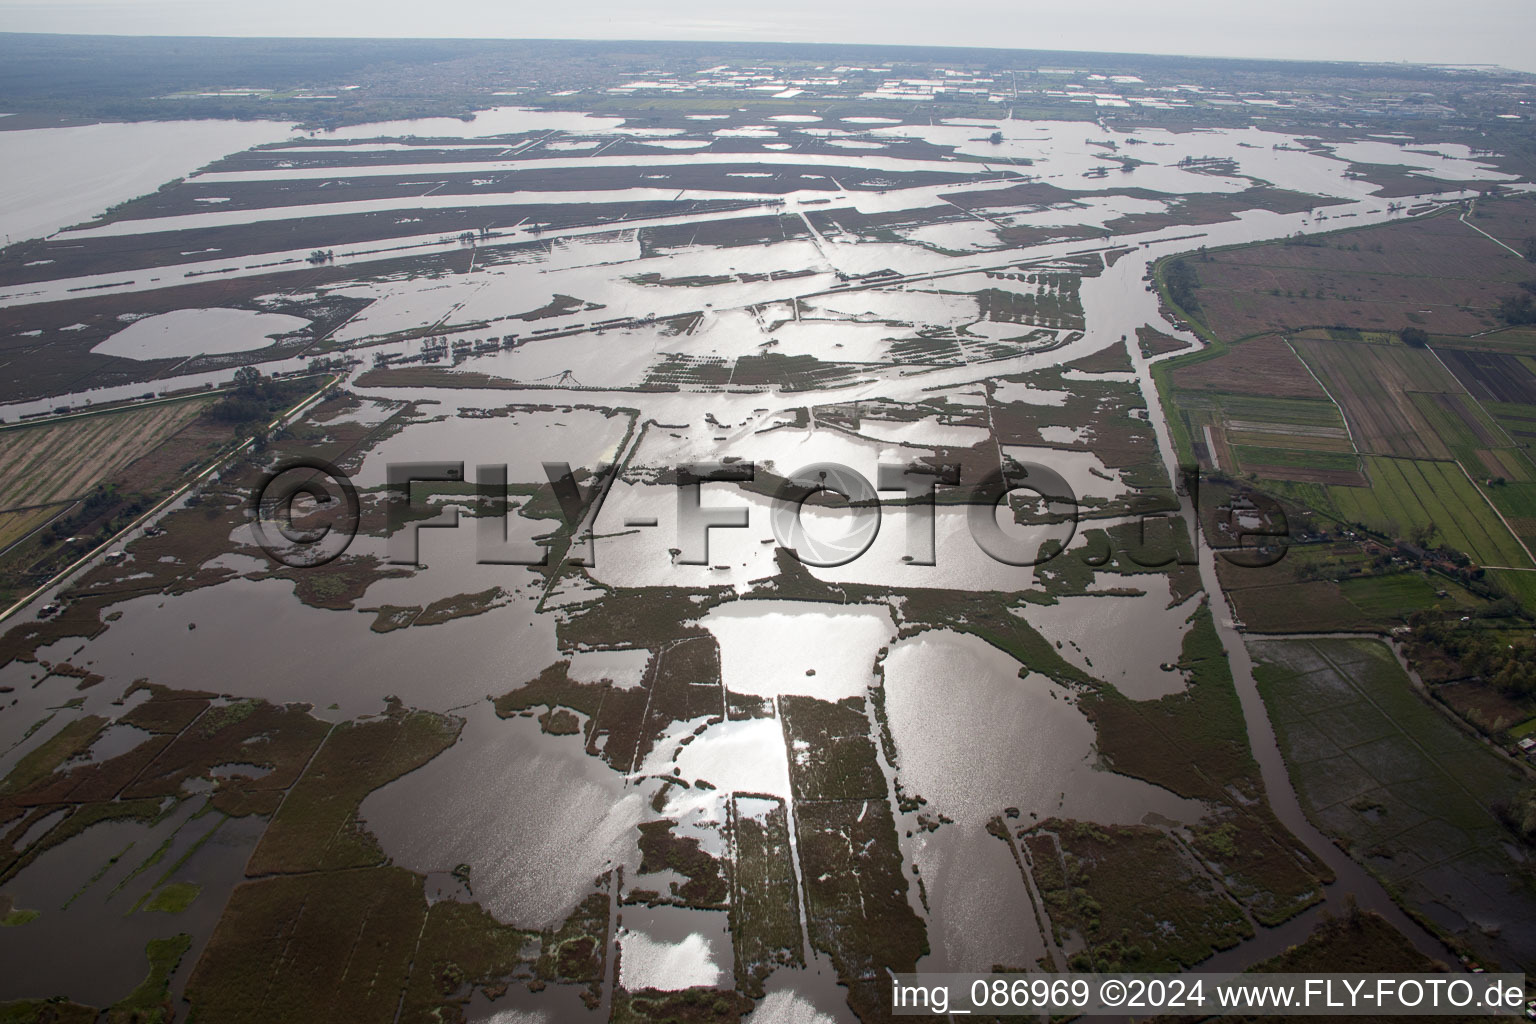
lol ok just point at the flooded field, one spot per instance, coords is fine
(610, 744)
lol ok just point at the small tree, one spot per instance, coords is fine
(247, 378)
(1415, 337)
(996, 138)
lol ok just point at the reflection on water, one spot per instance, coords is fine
(672, 948)
(973, 737)
(979, 911)
(745, 756)
(808, 996)
(977, 741)
(534, 817)
(769, 648)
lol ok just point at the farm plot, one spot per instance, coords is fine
(1406, 494)
(1516, 502)
(1511, 220)
(1435, 272)
(1457, 420)
(1520, 341)
(17, 523)
(1519, 421)
(1401, 788)
(1259, 460)
(54, 462)
(1373, 384)
(1295, 439)
(1262, 366)
(1493, 376)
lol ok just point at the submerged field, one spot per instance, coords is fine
(1417, 799)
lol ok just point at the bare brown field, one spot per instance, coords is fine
(1436, 273)
(1156, 343)
(52, 462)
(1373, 384)
(1510, 219)
(1262, 366)
(16, 523)
(1294, 607)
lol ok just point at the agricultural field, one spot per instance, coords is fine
(1266, 366)
(1402, 401)
(1423, 442)
(1297, 439)
(1306, 593)
(1494, 376)
(80, 475)
(53, 462)
(1407, 495)
(1436, 273)
(1405, 790)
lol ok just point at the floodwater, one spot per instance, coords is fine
(533, 815)
(89, 940)
(979, 739)
(191, 332)
(973, 736)
(745, 756)
(520, 439)
(772, 648)
(625, 669)
(55, 177)
(673, 948)
(484, 123)
(1124, 641)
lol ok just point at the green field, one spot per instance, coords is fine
(1392, 596)
(1520, 585)
(1297, 411)
(1402, 788)
(1457, 430)
(1409, 493)
(1249, 455)
(1514, 340)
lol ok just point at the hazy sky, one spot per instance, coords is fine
(1472, 32)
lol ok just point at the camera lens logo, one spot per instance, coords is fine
(306, 513)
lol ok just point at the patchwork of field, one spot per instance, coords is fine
(1399, 400)
(1436, 273)
(1402, 788)
(1404, 441)
(1298, 439)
